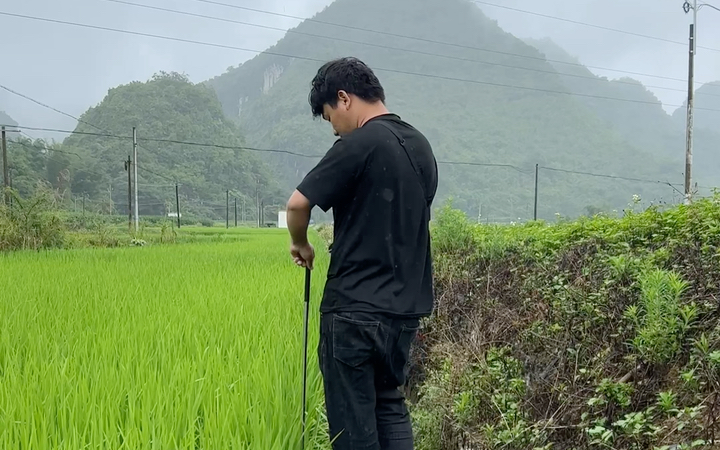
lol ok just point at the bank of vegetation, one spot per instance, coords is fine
(598, 333)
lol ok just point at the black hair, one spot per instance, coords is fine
(347, 74)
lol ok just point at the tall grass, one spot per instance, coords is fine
(195, 346)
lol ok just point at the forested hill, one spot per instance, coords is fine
(514, 110)
(168, 107)
(645, 124)
(707, 104)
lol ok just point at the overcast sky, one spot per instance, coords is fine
(72, 68)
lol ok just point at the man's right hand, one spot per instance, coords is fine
(303, 255)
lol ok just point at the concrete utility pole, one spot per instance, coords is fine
(690, 103)
(6, 169)
(694, 7)
(177, 203)
(135, 180)
(128, 167)
(537, 175)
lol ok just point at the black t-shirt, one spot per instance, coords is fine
(380, 260)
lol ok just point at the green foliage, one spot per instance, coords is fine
(660, 321)
(451, 231)
(607, 325)
(31, 224)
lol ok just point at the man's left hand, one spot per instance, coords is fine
(303, 255)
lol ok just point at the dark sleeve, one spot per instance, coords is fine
(335, 176)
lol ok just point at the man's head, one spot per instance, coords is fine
(346, 93)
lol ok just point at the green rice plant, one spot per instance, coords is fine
(190, 346)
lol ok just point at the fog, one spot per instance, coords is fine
(71, 68)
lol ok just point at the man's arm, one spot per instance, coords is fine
(298, 218)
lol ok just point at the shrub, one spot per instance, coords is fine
(31, 224)
(660, 319)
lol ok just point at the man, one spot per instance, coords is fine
(380, 179)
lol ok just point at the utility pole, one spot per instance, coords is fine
(6, 169)
(235, 212)
(128, 167)
(690, 114)
(257, 202)
(227, 209)
(177, 203)
(537, 172)
(135, 177)
(11, 186)
(262, 213)
(691, 92)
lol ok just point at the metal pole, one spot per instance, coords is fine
(537, 172)
(177, 203)
(135, 179)
(690, 116)
(305, 350)
(235, 212)
(227, 209)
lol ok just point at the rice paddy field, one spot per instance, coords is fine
(187, 346)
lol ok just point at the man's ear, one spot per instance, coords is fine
(343, 97)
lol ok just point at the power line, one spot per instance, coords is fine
(458, 163)
(431, 41)
(82, 133)
(612, 177)
(439, 77)
(419, 52)
(174, 141)
(47, 106)
(105, 133)
(440, 162)
(255, 149)
(230, 147)
(600, 27)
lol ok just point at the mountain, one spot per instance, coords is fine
(489, 98)
(166, 108)
(644, 123)
(641, 120)
(707, 108)
(6, 119)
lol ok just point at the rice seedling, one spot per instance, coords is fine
(193, 346)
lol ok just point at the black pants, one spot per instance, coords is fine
(364, 360)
